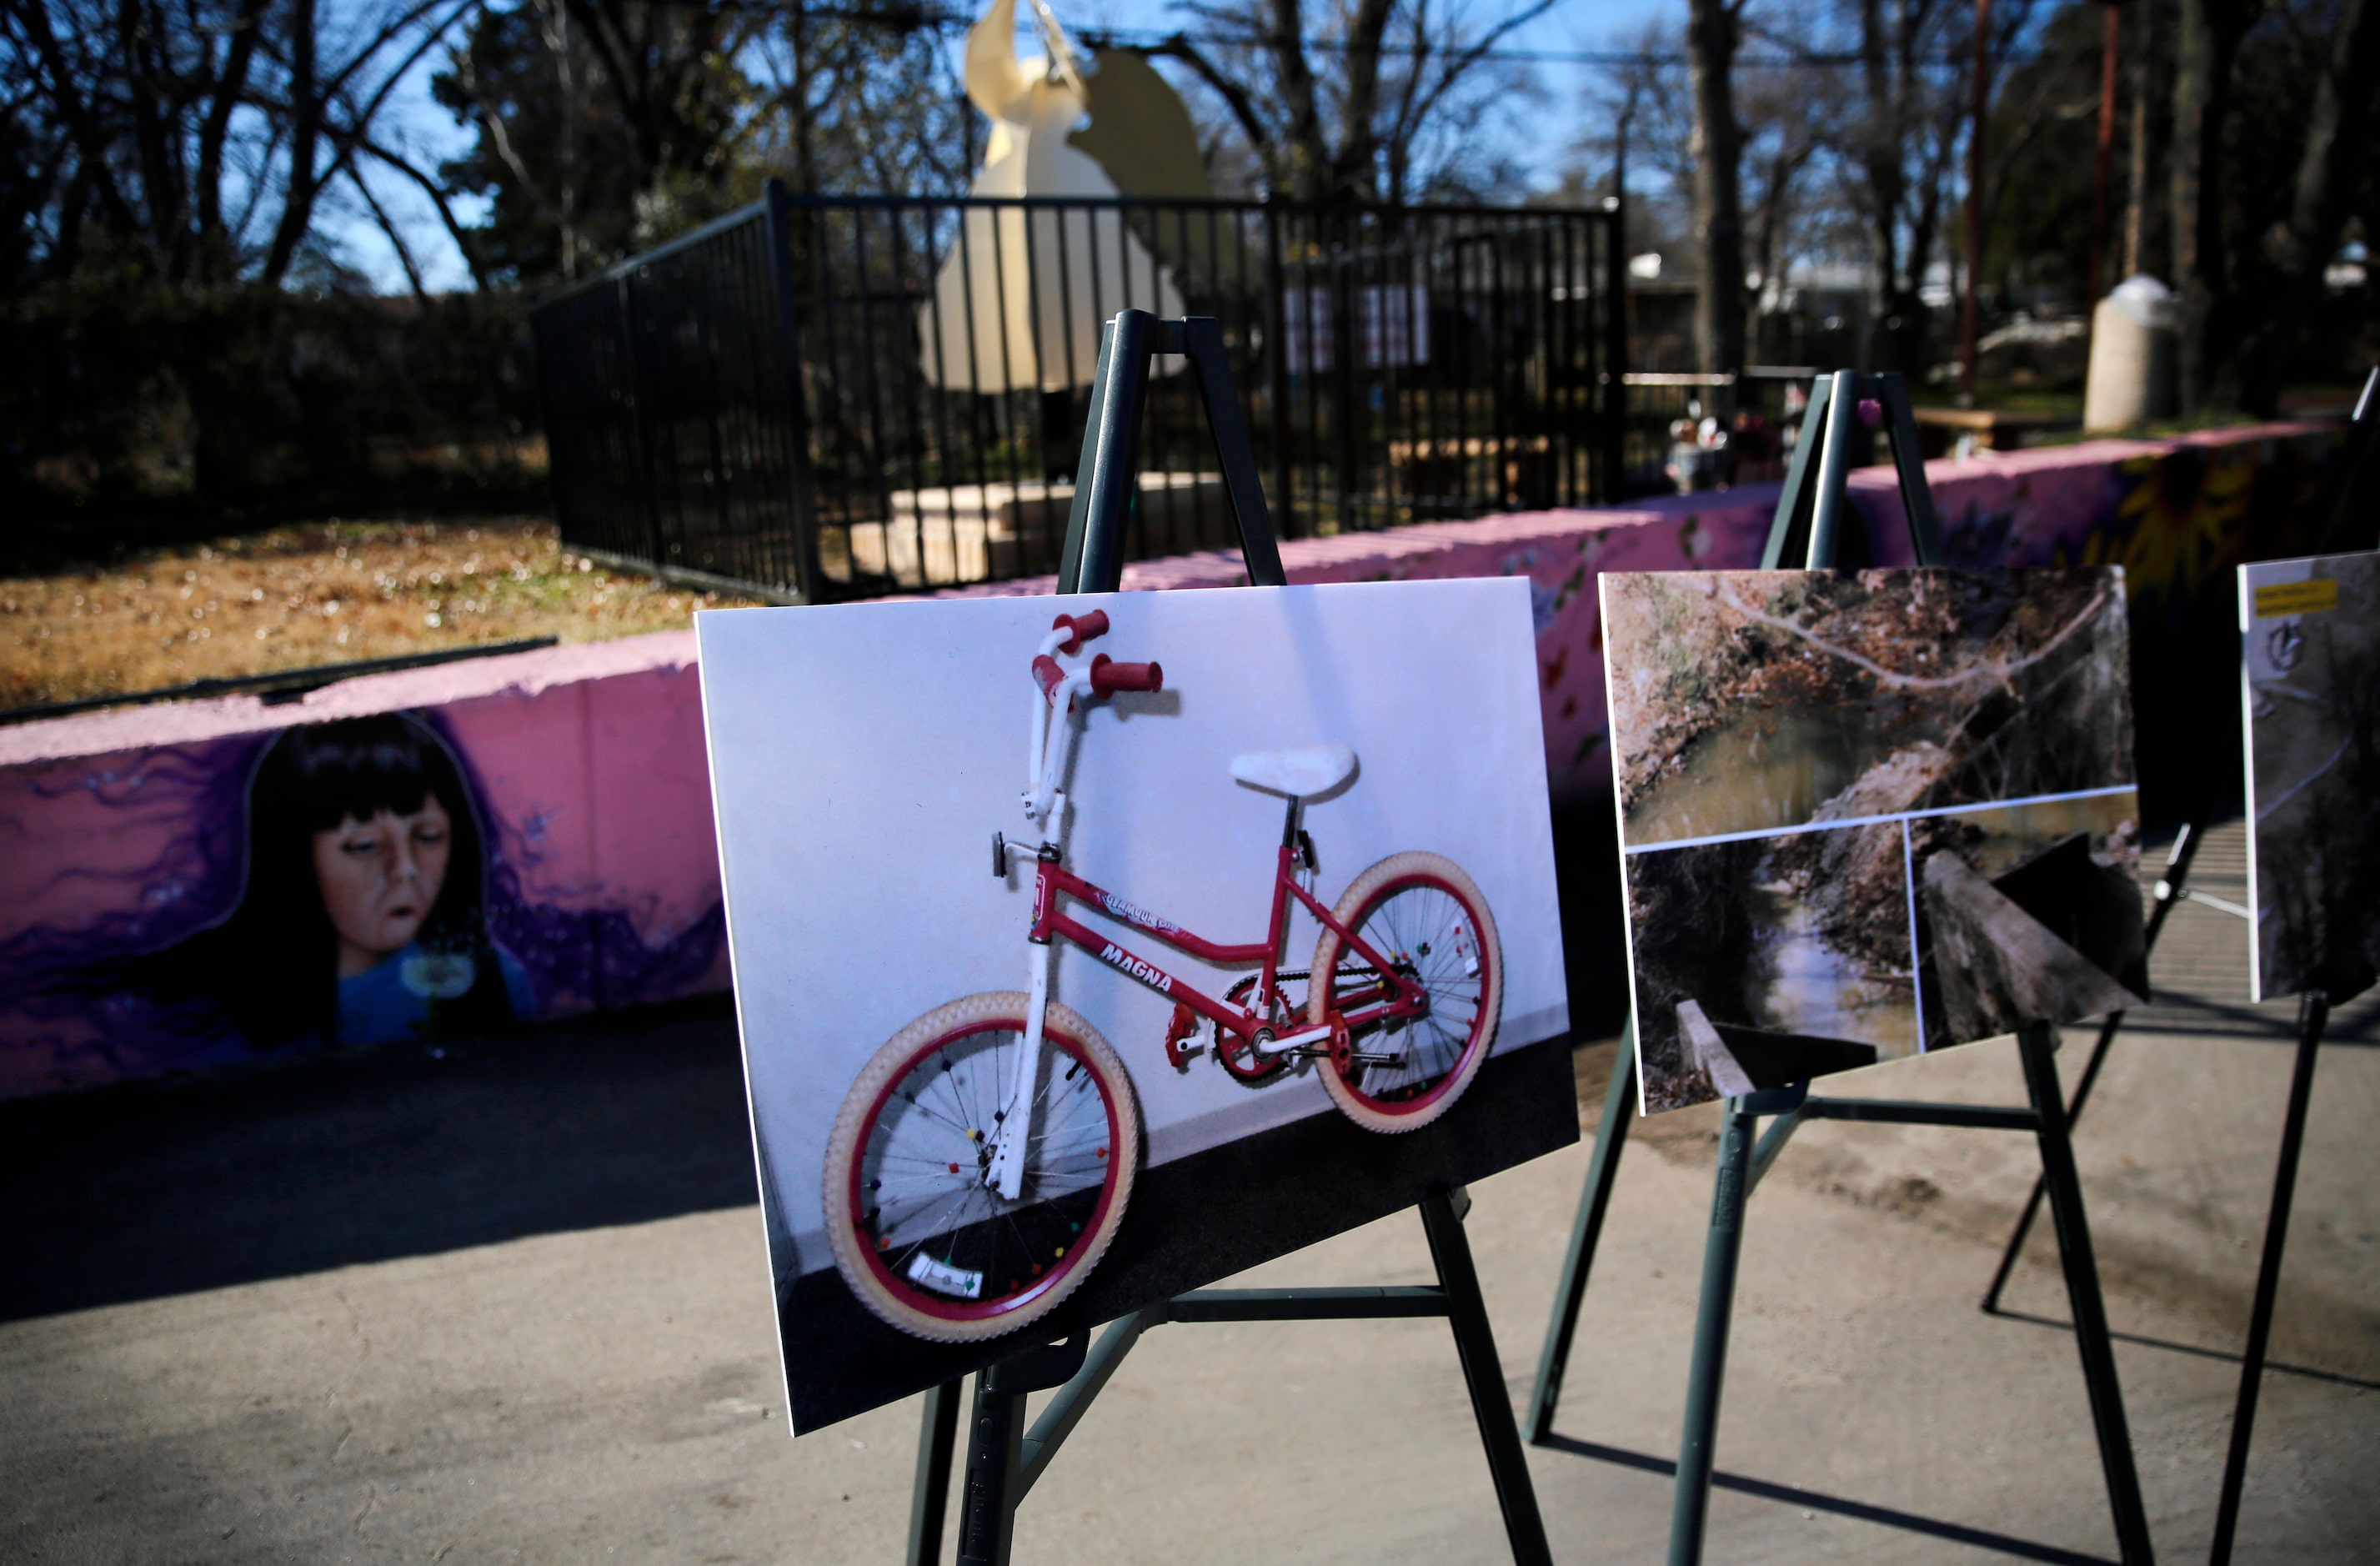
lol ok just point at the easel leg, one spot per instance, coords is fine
(2035, 1043)
(995, 1448)
(2314, 1014)
(930, 1501)
(1689, 1510)
(1467, 1312)
(2186, 844)
(2107, 1031)
(1586, 1233)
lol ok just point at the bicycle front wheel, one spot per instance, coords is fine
(1428, 920)
(921, 1238)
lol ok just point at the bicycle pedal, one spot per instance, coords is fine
(1179, 1035)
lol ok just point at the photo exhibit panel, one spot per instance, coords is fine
(2309, 647)
(1254, 941)
(1883, 811)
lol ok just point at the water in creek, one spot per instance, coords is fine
(1766, 769)
(1798, 983)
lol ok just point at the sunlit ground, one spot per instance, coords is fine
(320, 592)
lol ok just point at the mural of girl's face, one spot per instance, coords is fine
(380, 878)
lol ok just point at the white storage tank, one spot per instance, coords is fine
(2132, 349)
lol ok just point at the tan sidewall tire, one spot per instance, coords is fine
(1326, 955)
(842, 1147)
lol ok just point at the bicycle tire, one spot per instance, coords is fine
(1377, 1097)
(885, 1171)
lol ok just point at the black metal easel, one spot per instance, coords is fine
(1809, 520)
(1003, 1458)
(2333, 508)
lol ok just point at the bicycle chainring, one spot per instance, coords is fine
(1238, 1056)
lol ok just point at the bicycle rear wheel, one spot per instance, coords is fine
(1428, 918)
(921, 1239)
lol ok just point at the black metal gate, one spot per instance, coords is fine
(839, 397)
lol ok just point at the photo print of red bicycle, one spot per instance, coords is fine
(1266, 938)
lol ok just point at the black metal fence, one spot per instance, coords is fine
(837, 396)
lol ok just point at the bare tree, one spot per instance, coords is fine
(2335, 150)
(201, 136)
(2209, 39)
(1368, 126)
(1783, 106)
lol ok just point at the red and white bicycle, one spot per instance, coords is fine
(981, 1162)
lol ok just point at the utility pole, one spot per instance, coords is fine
(2108, 50)
(1975, 203)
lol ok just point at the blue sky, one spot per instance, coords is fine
(431, 133)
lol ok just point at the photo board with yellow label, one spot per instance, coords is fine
(2310, 676)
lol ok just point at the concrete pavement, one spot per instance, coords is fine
(509, 1304)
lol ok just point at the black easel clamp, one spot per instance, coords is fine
(1092, 560)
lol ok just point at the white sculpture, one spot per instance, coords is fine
(1036, 290)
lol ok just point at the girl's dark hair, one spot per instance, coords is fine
(272, 965)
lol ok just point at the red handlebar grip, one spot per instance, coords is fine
(1047, 674)
(1081, 628)
(1108, 676)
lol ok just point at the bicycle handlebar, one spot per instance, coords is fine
(1080, 629)
(1108, 676)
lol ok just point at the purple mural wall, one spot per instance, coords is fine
(175, 892)
(219, 881)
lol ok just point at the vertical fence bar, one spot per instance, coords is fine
(1615, 347)
(1277, 347)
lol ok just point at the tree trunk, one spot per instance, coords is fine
(1718, 201)
(1306, 159)
(304, 131)
(2202, 94)
(2296, 250)
(2138, 202)
(1353, 176)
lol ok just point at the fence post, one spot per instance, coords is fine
(1615, 349)
(797, 415)
(639, 401)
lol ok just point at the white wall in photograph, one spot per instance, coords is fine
(863, 755)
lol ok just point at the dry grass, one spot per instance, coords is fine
(323, 593)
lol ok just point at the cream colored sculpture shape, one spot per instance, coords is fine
(1034, 286)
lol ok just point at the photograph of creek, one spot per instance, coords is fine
(1867, 814)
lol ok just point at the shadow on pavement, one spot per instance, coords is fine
(1816, 1500)
(151, 1189)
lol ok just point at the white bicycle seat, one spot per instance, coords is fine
(1300, 773)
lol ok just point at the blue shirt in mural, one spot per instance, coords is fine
(398, 998)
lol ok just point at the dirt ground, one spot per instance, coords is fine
(318, 592)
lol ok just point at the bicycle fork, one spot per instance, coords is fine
(1006, 1173)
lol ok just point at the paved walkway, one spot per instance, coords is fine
(509, 1304)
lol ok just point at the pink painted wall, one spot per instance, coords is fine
(121, 832)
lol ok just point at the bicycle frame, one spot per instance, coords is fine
(1395, 995)
(1051, 746)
